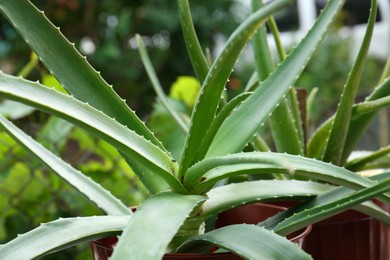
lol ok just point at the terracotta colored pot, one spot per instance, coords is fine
(349, 235)
(250, 214)
(255, 213)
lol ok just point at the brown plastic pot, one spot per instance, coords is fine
(255, 213)
(349, 235)
(249, 214)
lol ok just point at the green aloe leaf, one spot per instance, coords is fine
(212, 88)
(157, 161)
(339, 131)
(247, 241)
(203, 175)
(198, 60)
(357, 163)
(69, 67)
(371, 209)
(63, 60)
(232, 195)
(371, 106)
(154, 225)
(360, 121)
(217, 122)
(282, 120)
(309, 216)
(95, 193)
(247, 118)
(366, 207)
(59, 234)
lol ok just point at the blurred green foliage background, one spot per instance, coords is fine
(104, 31)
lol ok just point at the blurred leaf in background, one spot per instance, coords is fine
(105, 31)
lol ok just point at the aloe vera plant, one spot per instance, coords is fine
(184, 193)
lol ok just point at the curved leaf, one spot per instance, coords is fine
(359, 162)
(69, 67)
(217, 122)
(198, 60)
(309, 216)
(154, 224)
(83, 184)
(59, 234)
(371, 106)
(232, 195)
(358, 126)
(328, 197)
(338, 134)
(257, 108)
(81, 114)
(210, 94)
(203, 175)
(283, 121)
(371, 209)
(247, 241)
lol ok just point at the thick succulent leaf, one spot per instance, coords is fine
(358, 126)
(357, 163)
(247, 241)
(83, 115)
(232, 195)
(312, 215)
(69, 67)
(217, 122)
(371, 106)
(338, 134)
(386, 70)
(261, 51)
(361, 122)
(212, 88)
(83, 184)
(282, 120)
(273, 27)
(198, 60)
(328, 197)
(157, 86)
(203, 175)
(59, 234)
(154, 225)
(371, 209)
(317, 142)
(257, 108)
(284, 132)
